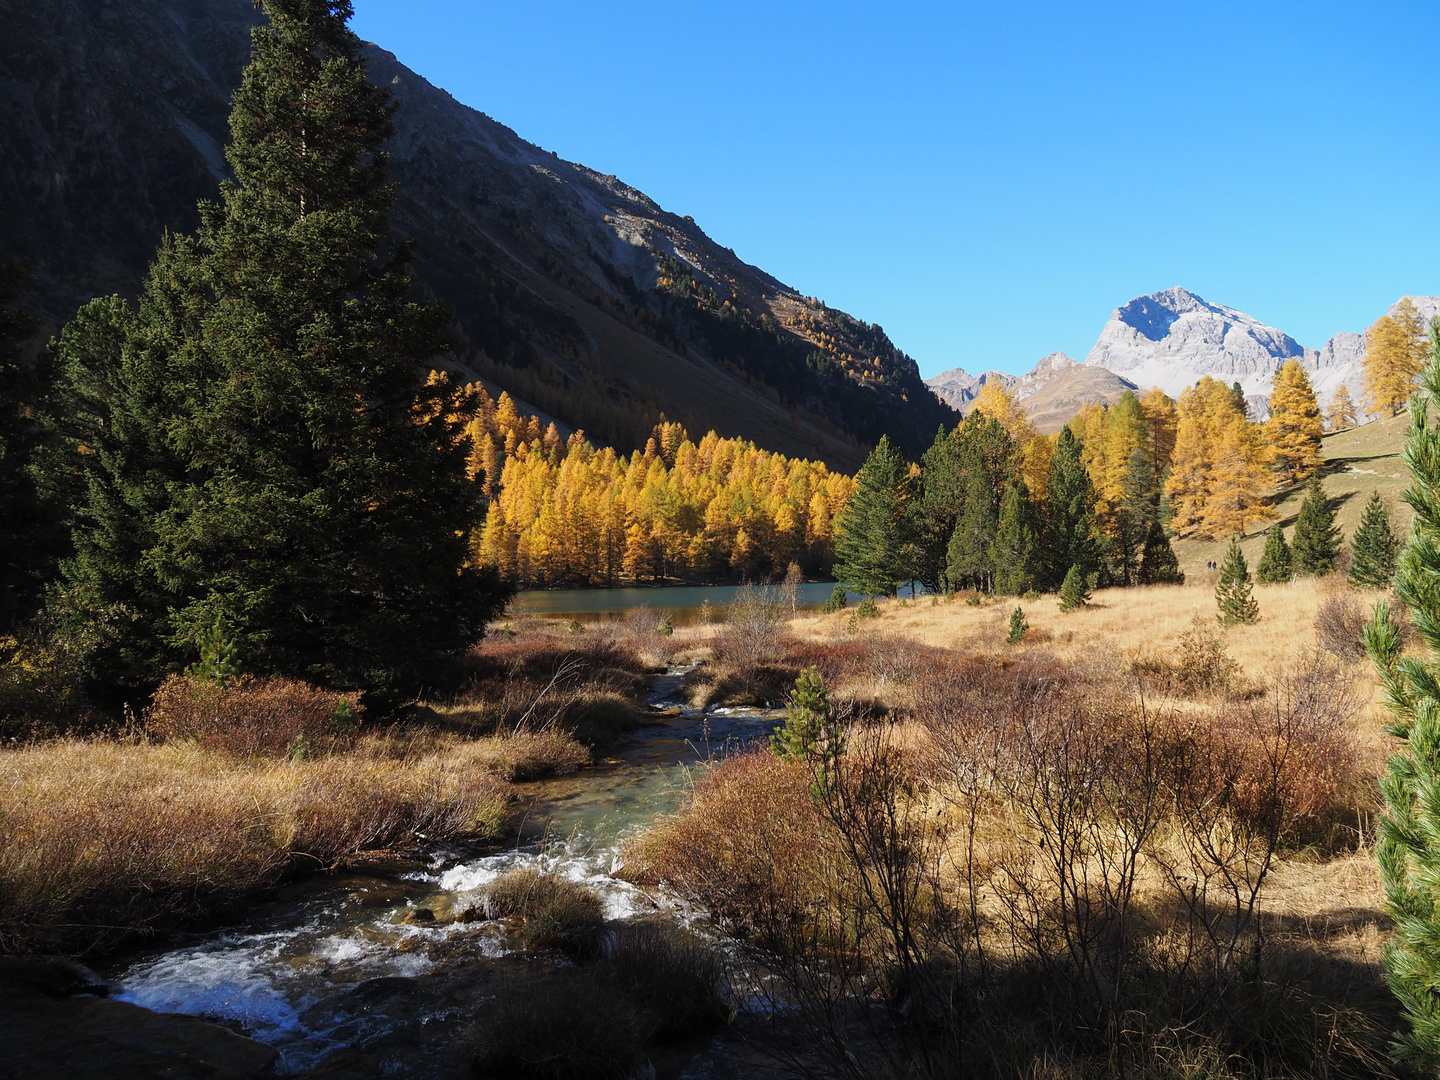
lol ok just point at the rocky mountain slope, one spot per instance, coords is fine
(1052, 391)
(1172, 339)
(572, 290)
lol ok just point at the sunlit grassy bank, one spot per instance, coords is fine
(223, 791)
(1132, 844)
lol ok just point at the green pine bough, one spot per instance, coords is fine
(1408, 842)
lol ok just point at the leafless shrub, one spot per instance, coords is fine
(1338, 623)
(1035, 838)
(752, 628)
(1199, 665)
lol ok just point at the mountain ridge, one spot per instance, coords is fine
(1174, 337)
(572, 290)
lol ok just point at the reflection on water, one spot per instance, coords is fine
(686, 605)
(316, 968)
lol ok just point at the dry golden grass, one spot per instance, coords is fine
(100, 840)
(1119, 627)
(1357, 462)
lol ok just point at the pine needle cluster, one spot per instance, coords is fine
(1408, 845)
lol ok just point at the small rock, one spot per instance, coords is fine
(421, 915)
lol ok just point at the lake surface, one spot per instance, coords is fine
(686, 605)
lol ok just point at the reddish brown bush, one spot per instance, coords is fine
(251, 717)
(751, 846)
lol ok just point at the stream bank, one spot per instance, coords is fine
(380, 974)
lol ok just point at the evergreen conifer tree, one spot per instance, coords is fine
(1407, 847)
(1069, 527)
(28, 543)
(977, 444)
(1018, 626)
(1316, 540)
(1233, 593)
(1075, 591)
(1013, 553)
(870, 536)
(1138, 508)
(972, 544)
(1274, 567)
(1373, 547)
(1158, 564)
(272, 456)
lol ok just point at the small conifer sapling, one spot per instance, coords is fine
(1233, 594)
(1075, 592)
(1018, 626)
(1274, 567)
(1373, 548)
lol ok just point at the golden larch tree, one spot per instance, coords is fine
(1219, 474)
(1239, 480)
(1396, 348)
(1160, 417)
(1340, 416)
(1294, 428)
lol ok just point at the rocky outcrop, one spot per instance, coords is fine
(56, 1022)
(1173, 338)
(959, 389)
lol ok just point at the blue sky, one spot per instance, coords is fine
(989, 181)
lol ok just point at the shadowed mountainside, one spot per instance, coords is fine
(572, 290)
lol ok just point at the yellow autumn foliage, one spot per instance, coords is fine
(1220, 472)
(1294, 428)
(564, 511)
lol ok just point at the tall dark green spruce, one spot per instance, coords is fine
(271, 464)
(871, 535)
(1408, 841)
(1069, 528)
(970, 562)
(1233, 594)
(1013, 553)
(1316, 540)
(947, 472)
(1275, 565)
(1373, 547)
(27, 540)
(1158, 564)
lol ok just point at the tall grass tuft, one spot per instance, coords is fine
(101, 841)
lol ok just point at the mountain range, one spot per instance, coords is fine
(578, 294)
(1171, 339)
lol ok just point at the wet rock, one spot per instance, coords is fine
(420, 916)
(471, 914)
(373, 991)
(88, 1038)
(53, 976)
